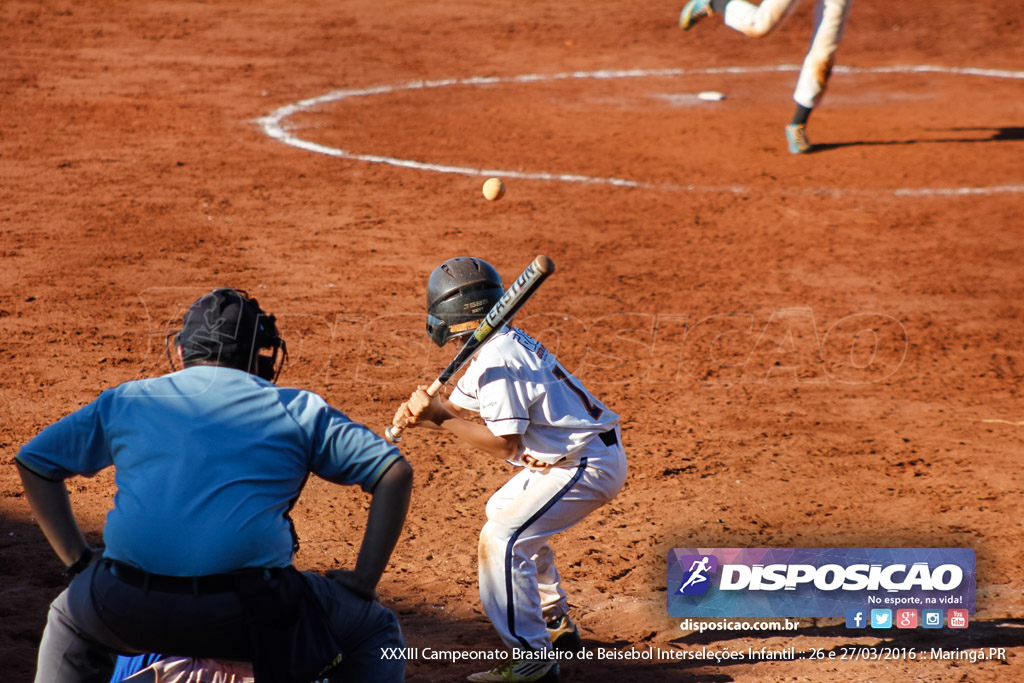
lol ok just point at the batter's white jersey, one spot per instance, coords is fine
(518, 387)
(578, 465)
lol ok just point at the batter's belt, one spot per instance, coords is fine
(608, 438)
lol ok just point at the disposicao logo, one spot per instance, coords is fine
(697, 578)
(818, 582)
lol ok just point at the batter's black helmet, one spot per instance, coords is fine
(460, 292)
(227, 327)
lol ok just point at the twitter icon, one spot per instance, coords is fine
(881, 618)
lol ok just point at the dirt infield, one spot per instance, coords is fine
(811, 351)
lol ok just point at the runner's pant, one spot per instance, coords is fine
(830, 17)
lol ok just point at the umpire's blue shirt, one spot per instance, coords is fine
(208, 462)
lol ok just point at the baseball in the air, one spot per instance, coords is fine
(494, 189)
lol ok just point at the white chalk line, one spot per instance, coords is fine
(273, 125)
(1007, 422)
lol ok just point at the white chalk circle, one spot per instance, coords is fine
(274, 125)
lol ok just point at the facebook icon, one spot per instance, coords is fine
(856, 618)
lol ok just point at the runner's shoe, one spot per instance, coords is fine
(796, 138)
(694, 11)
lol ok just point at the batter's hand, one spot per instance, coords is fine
(403, 418)
(406, 418)
(426, 410)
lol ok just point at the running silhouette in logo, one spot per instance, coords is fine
(699, 568)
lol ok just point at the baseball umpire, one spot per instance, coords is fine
(564, 442)
(209, 461)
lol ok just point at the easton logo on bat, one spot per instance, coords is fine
(815, 582)
(496, 314)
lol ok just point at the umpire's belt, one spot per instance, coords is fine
(194, 585)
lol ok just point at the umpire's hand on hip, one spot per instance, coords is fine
(352, 582)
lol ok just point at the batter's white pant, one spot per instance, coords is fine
(829, 22)
(520, 588)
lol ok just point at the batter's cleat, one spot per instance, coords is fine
(564, 634)
(796, 138)
(694, 11)
(520, 671)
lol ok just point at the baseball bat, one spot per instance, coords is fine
(499, 315)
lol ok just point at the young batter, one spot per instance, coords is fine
(564, 442)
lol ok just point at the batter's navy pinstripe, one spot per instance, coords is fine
(511, 609)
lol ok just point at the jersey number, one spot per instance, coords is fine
(592, 410)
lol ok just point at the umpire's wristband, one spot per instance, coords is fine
(80, 564)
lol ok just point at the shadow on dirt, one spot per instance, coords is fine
(1010, 133)
(30, 577)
